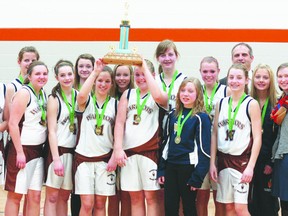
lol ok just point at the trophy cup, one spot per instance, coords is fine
(123, 56)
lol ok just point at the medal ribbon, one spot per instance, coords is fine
(99, 118)
(210, 105)
(181, 124)
(264, 110)
(231, 121)
(171, 85)
(70, 109)
(20, 77)
(40, 103)
(141, 106)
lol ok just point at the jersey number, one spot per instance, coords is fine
(229, 135)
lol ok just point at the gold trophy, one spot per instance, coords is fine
(123, 56)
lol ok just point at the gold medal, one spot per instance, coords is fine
(98, 130)
(138, 119)
(43, 123)
(177, 139)
(231, 134)
(72, 128)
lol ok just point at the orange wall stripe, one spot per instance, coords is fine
(144, 34)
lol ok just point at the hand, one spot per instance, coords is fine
(247, 175)
(99, 65)
(193, 188)
(268, 170)
(21, 160)
(213, 173)
(120, 157)
(58, 167)
(161, 180)
(112, 165)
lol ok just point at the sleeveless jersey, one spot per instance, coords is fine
(172, 100)
(2, 104)
(241, 138)
(90, 144)
(220, 93)
(17, 84)
(135, 133)
(33, 133)
(65, 137)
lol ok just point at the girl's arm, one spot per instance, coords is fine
(10, 91)
(118, 152)
(213, 149)
(4, 124)
(83, 94)
(255, 114)
(157, 93)
(52, 111)
(18, 107)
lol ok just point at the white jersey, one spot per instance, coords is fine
(17, 84)
(137, 134)
(2, 104)
(220, 93)
(241, 138)
(33, 133)
(65, 137)
(172, 100)
(90, 144)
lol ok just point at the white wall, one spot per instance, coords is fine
(191, 54)
(145, 14)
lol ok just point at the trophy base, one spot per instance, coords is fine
(122, 58)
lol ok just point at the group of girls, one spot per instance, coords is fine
(243, 127)
(98, 121)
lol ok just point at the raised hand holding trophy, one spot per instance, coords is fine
(123, 56)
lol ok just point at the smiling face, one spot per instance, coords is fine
(25, 61)
(65, 76)
(188, 95)
(122, 78)
(282, 79)
(38, 76)
(84, 68)
(261, 80)
(167, 59)
(140, 79)
(103, 83)
(209, 72)
(237, 80)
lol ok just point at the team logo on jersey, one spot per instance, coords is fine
(111, 179)
(242, 188)
(153, 174)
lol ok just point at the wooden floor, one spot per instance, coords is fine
(3, 195)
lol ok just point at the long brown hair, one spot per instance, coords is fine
(162, 47)
(77, 77)
(114, 92)
(59, 64)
